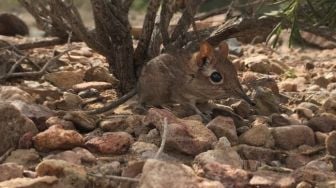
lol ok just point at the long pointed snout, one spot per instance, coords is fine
(242, 95)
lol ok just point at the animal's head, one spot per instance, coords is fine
(215, 77)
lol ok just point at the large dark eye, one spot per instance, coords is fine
(216, 77)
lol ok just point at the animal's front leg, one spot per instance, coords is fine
(205, 116)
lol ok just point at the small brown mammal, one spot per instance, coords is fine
(187, 79)
(11, 25)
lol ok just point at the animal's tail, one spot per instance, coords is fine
(114, 104)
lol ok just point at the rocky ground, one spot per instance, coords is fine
(287, 140)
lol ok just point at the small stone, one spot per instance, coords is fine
(85, 155)
(321, 81)
(69, 102)
(26, 141)
(271, 179)
(68, 156)
(304, 184)
(28, 158)
(89, 93)
(304, 113)
(249, 77)
(278, 120)
(258, 63)
(110, 143)
(295, 161)
(100, 74)
(290, 137)
(288, 86)
(320, 137)
(323, 123)
(331, 143)
(258, 153)
(111, 168)
(45, 181)
(57, 138)
(224, 126)
(242, 130)
(10, 171)
(188, 136)
(222, 143)
(65, 79)
(258, 135)
(226, 156)
(160, 174)
(329, 106)
(242, 108)
(69, 174)
(309, 66)
(142, 147)
(130, 124)
(226, 174)
(266, 102)
(13, 125)
(331, 86)
(95, 85)
(68, 125)
(276, 68)
(313, 173)
(81, 120)
(313, 107)
(11, 93)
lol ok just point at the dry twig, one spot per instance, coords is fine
(164, 139)
(36, 73)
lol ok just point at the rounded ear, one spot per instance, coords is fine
(224, 49)
(206, 50)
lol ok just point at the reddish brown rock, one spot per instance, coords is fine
(110, 143)
(258, 135)
(13, 125)
(100, 74)
(258, 153)
(69, 174)
(290, 137)
(226, 156)
(271, 179)
(331, 143)
(160, 174)
(187, 136)
(227, 175)
(224, 126)
(58, 121)
(65, 79)
(323, 123)
(10, 171)
(57, 138)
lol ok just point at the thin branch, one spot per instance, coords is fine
(186, 19)
(140, 52)
(37, 44)
(40, 72)
(121, 178)
(203, 16)
(17, 63)
(164, 138)
(127, 4)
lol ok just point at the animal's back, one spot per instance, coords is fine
(157, 79)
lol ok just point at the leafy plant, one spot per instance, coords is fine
(296, 14)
